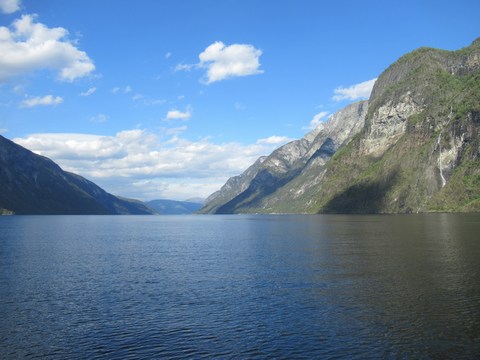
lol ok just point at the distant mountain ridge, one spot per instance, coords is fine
(173, 207)
(33, 184)
(414, 146)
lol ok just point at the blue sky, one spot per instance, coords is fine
(167, 99)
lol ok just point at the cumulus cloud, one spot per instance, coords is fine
(317, 120)
(179, 115)
(29, 46)
(136, 162)
(9, 6)
(354, 92)
(47, 100)
(274, 140)
(89, 92)
(224, 62)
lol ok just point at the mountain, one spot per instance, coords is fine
(172, 207)
(196, 200)
(414, 147)
(33, 184)
(256, 190)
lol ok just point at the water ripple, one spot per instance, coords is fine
(240, 287)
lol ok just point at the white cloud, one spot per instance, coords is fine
(29, 46)
(224, 62)
(156, 102)
(317, 120)
(274, 140)
(47, 100)
(185, 67)
(89, 92)
(127, 89)
(143, 165)
(99, 118)
(115, 90)
(3, 130)
(354, 92)
(175, 131)
(179, 115)
(137, 97)
(9, 6)
(167, 55)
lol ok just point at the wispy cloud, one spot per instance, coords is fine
(185, 67)
(99, 118)
(354, 92)
(126, 89)
(88, 92)
(48, 100)
(316, 120)
(224, 62)
(29, 45)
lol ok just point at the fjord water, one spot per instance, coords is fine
(246, 286)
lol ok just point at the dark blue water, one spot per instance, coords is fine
(173, 287)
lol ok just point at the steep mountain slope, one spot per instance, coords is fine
(232, 188)
(259, 188)
(33, 184)
(417, 151)
(172, 207)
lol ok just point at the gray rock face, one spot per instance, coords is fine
(233, 187)
(388, 123)
(417, 148)
(260, 184)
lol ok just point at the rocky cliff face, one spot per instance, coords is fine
(419, 148)
(232, 188)
(416, 149)
(33, 184)
(259, 188)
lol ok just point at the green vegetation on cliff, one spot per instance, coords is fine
(419, 150)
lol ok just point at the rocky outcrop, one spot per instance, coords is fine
(260, 186)
(416, 150)
(33, 184)
(419, 149)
